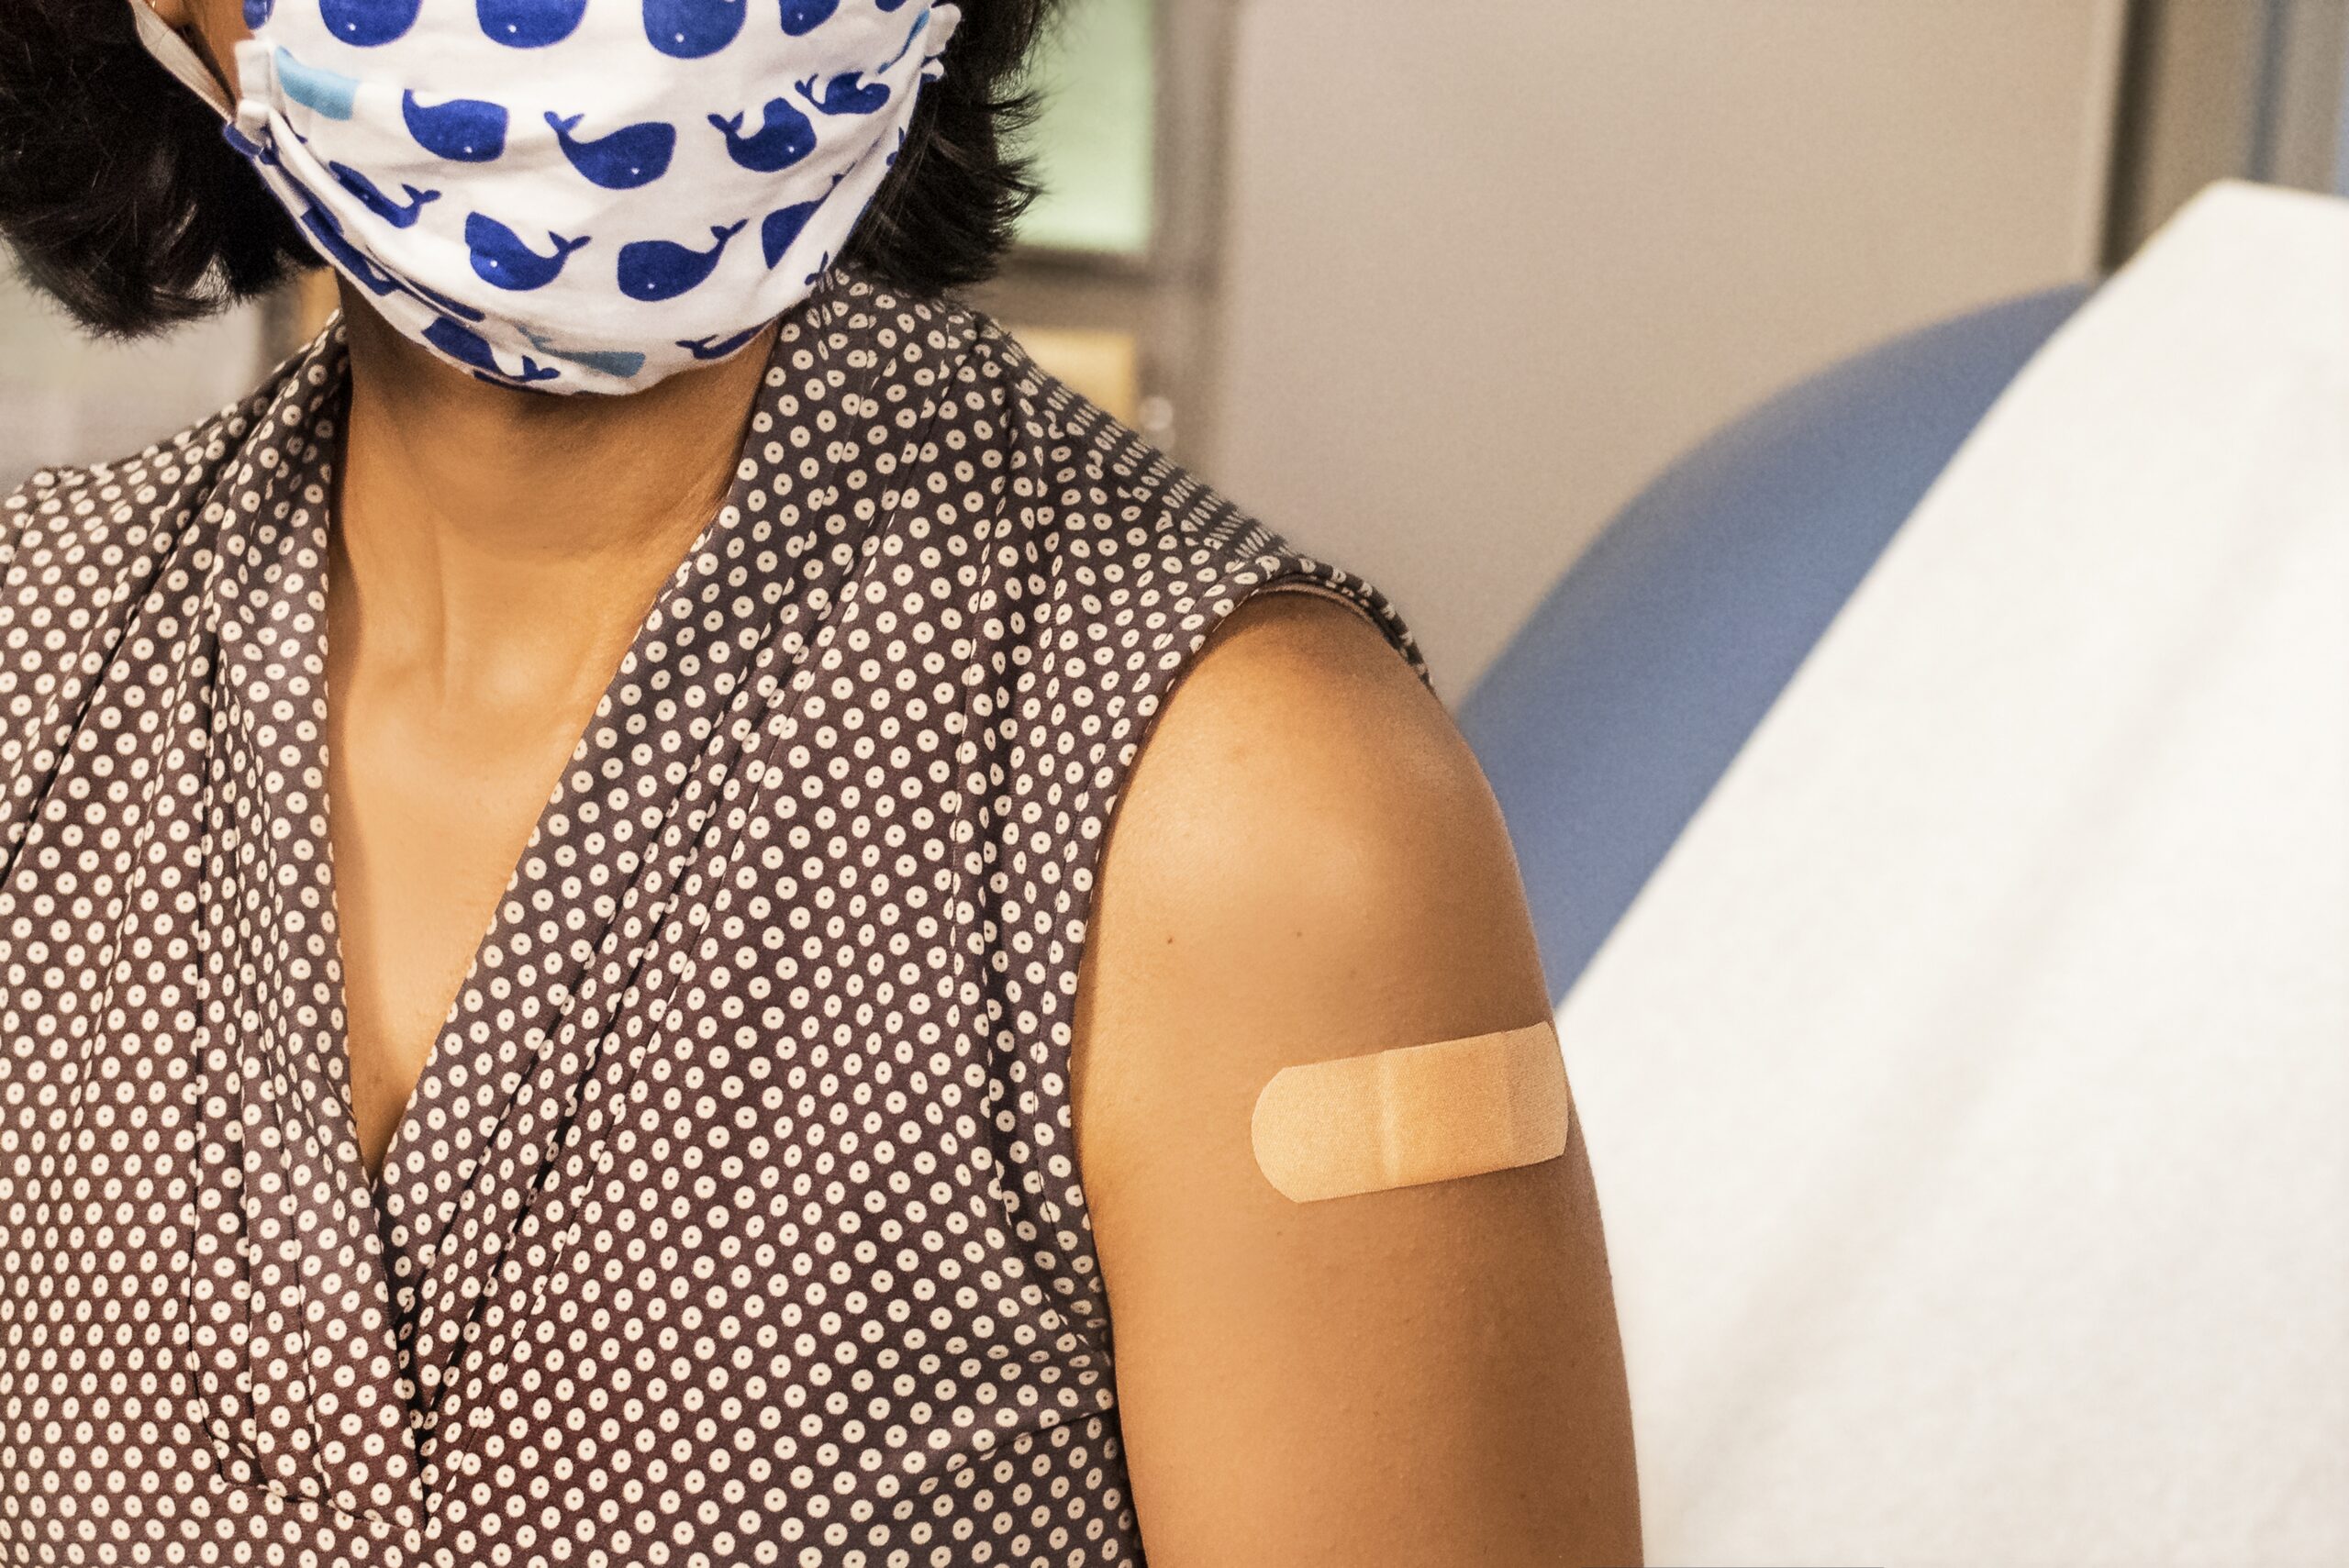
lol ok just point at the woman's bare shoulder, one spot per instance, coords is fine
(1307, 843)
(1304, 803)
(1309, 865)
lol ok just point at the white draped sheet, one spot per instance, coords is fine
(1970, 1090)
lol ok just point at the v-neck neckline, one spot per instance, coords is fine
(388, 1187)
(812, 315)
(501, 1081)
(381, 1181)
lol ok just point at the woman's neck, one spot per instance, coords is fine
(501, 546)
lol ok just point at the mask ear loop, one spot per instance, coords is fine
(173, 53)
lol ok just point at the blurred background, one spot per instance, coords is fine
(1436, 291)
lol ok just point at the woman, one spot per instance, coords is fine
(653, 569)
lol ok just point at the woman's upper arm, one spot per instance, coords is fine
(1309, 865)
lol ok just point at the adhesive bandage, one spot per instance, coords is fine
(1420, 1113)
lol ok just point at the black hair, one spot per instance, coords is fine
(122, 201)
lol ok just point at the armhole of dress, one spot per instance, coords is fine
(1290, 574)
(1365, 602)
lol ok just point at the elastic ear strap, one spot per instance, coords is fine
(1421, 1113)
(173, 54)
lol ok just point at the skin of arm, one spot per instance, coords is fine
(1309, 865)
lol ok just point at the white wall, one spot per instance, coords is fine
(1487, 268)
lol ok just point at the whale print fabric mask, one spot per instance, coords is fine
(576, 195)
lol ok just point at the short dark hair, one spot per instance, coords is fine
(123, 202)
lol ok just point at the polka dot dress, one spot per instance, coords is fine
(735, 1218)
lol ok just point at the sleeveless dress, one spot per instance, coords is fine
(735, 1218)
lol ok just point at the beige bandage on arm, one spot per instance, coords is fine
(1421, 1113)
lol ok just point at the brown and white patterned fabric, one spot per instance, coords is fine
(735, 1218)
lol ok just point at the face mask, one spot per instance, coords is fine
(574, 196)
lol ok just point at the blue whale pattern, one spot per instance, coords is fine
(621, 363)
(329, 93)
(257, 11)
(348, 257)
(801, 17)
(784, 138)
(631, 156)
(529, 24)
(653, 269)
(463, 131)
(501, 258)
(469, 348)
(718, 348)
(688, 29)
(368, 23)
(782, 227)
(399, 215)
(845, 94)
